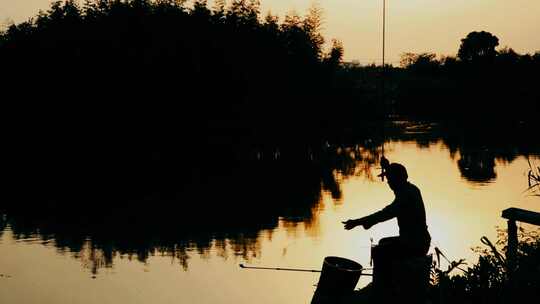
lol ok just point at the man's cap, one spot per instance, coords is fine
(395, 171)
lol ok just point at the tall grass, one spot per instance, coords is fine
(489, 281)
(533, 177)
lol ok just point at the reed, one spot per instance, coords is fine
(489, 280)
(533, 177)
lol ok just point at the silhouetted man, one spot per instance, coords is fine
(408, 206)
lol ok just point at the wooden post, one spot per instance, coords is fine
(511, 250)
(513, 215)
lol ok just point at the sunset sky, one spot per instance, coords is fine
(412, 26)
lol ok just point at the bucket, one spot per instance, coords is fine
(339, 276)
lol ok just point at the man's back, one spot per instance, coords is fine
(411, 214)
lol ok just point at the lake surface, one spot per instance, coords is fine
(291, 219)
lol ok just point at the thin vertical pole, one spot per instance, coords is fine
(384, 63)
(384, 33)
(384, 67)
(383, 74)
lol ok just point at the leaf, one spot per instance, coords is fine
(532, 187)
(498, 256)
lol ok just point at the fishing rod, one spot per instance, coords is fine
(291, 269)
(278, 268)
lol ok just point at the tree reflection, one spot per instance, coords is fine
(477, 166)
(230, 204)
(478, 146)
(482, 145)
(223, 209)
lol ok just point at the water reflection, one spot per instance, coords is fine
(223, 213)
(477, 166)
(477, 146)
(228, 209)
(3, 224)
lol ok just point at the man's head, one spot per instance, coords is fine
(396, 175)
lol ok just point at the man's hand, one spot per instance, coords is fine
(350, 224)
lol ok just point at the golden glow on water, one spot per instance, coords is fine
(458, 213)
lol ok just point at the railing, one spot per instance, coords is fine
(513, 215)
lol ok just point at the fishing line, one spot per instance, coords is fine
(383, 72)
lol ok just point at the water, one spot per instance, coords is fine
(191, 254)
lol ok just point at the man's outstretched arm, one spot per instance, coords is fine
(383, 215)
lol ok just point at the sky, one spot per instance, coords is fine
(416, 26)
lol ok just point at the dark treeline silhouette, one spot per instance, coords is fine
(480, 84)
(125, 97)
(107, 96)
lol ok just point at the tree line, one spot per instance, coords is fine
(480, 83)
(112, 89)
(117, 91)
(226, 65)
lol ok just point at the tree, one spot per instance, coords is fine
(536, 56)
(508, 59)
(478, 46)
(271, 23)
(244, 12)
(423, 63)
(312, 25)
(335, 55)
(219, 11)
